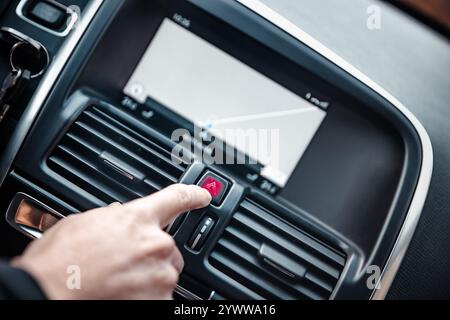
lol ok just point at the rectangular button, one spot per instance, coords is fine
(48, 15)
(216, 186)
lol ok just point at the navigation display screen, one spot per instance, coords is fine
(216, 91)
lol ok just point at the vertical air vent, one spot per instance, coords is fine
(106, 157)
(271, 259)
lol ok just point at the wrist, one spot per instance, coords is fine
(52, 286)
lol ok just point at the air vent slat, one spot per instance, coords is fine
(94, 175)
(248, 243)
(268, 235)
(92, 160)
(161, 156)
(138, 139)
(94, 154)
(78, 142)
(112, 161)
(243, 275)
(273, 259)
(104, 143)
(243, 236)
(64, 169)
(279, 286)
(70, 172)
(296, 235)
(320, 282)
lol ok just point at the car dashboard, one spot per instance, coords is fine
(318, 175)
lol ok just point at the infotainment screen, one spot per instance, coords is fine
(216, 91)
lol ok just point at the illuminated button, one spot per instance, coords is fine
(216, 186)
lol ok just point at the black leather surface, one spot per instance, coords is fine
(411, 62)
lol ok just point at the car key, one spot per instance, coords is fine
(13, 85)
(21, 84)
(8, 85)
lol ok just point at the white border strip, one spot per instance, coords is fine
(417, 203)
(46, 85)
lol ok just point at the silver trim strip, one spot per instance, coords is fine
(418, 201)
(186, 293)
(46, 85)
(19, 36)
(70, 24)
(197, 239)
(211, 296)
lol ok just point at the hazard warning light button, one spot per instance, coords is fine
(216, 186)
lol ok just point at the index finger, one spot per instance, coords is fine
(166, 205)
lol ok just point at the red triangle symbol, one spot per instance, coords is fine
(212, 186)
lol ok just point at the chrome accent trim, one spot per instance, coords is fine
(46, 85)
(197, 239)
(423, 183)
(211, 296)
(70, 23)
(170, 226)
(19, 36)
(186, 293)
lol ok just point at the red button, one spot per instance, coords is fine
(214, 186)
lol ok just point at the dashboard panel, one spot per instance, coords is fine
(306, 225)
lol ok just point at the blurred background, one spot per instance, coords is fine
(435, 13)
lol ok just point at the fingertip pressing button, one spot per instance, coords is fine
(215, 185)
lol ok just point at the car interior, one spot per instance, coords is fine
(320, 175)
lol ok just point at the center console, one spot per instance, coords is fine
(317, 175)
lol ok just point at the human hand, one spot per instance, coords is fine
(121, 251)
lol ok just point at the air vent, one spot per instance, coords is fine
(105, 156)
(270, 259)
